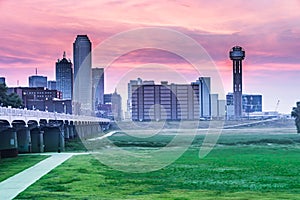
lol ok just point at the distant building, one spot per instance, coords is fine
(107, 98)
(112, 106)
(104, 111)
(2, 80)
(35, 98)
(250, 103)
(98, 86)
(165, 101)
(51, 85)
(204, 97)
(64, 77)
(82, 73)
(116, 103)
(221, 109)
(129, 99)
(214, 105)
(37, 81)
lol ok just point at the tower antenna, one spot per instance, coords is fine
(64, 55)
(36, 71)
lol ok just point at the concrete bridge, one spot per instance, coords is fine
(28, 131)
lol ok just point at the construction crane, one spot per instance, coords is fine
(277, 105)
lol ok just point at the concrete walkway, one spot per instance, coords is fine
(104, 136)
(14, 185)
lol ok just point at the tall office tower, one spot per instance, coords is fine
(64, 77)
(51, 85)
(37, 81)
(82, 73)
(237, 54)
(98, 86)
(2, 80)
(204, 97)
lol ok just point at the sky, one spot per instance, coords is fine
(34, 34)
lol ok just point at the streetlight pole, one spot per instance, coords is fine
(64, 105)
(25, 99)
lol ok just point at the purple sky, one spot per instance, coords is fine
(34, 33)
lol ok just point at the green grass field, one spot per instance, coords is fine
(241, 166)
(12, 166)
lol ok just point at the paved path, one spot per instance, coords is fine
(14, 185)
(104, 136)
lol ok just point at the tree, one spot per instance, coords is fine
(3, 95)
(12, 99)
(296, 114)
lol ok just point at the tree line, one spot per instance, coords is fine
(12, 99)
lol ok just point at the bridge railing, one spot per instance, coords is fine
(4, 111)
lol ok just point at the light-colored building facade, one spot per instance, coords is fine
(204, 97)
(221, 109)
(165, 101)
(139, 81)
(214, 105)
(98, 86)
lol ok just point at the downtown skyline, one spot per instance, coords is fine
(269, 33)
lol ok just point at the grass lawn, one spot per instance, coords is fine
(12, 166)
(240, 167)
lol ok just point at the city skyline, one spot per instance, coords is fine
(268, 32)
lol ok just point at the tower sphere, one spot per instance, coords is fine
(237, 53)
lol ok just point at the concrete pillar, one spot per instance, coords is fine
(90, 130)
(78, 129)
(54, 139)
(95, 126)
(71, 131)
(83, 131)
(66, 131)
(8, 143)
(24, 140)
(37, 140)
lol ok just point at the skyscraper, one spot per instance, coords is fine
(237, 54)
(64, 77)
(98, 86)
(82, 72)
